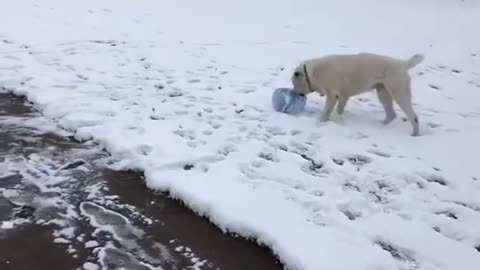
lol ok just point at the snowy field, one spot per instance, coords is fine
(181, 90)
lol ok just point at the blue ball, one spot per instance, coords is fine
(287, 101)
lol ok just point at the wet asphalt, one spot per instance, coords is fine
(113, 219)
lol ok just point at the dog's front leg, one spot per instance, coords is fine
(329, 105)
(342, 102)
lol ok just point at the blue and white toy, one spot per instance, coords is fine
(287, 101)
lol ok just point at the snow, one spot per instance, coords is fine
(91, 244)
(90, 266)
(60, 240)
(11, 224)
(197, 262)
(5, 225)
(181, 90)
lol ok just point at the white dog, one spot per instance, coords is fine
(341, 76)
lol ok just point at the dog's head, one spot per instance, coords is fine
(301, 80)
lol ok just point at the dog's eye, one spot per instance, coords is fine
(297, 74)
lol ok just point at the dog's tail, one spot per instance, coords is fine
(414, 60)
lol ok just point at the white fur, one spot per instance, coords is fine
(340, 77)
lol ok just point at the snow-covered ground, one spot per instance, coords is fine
(181, 90)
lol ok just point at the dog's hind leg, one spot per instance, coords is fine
(342, 102)
(387, 102)
(329, 105)
(403, 97)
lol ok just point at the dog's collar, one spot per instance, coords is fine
(307, 78)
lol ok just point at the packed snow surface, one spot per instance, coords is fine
(182, 91)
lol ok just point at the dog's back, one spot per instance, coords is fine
(355, 73)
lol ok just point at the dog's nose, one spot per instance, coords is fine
(302, 94)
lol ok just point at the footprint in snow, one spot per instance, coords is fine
(358, 136)
(236, 139)
(314, 168)
(258, 163)
(11, 57)
(350, 213)
(275, 130)
(188, 134)
(472, 207)
(144, 149)
(139, 130)
(351, 185)
(82, 77)
(455, 236)
(381, 191)
(227, 149)
(181, 113)
(207, 132)
(295, 132)
(433, 125)
(208, 110)
(434, 178)
(316, 193)
(6, 41)
(300, 148)
(246, 90)
(194, 81)
(193, 164)
(354, 159)
(448, 214)
(474, 83)
(242, 129)
(214, 117)
(269, 154)
(399, 253)
(189, 105)
(358, 160)
(194, 144)
(210, 88)
(379, 153)
(214, 124)
(456, 71)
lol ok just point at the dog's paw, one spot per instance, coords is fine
(388, 119)
(415, 134)
(323, 119)
(321, 122)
